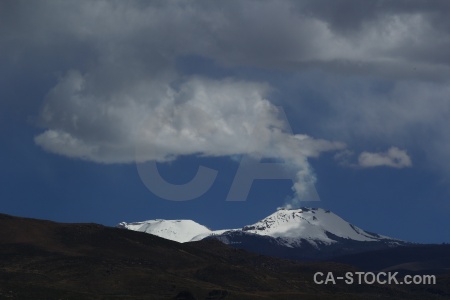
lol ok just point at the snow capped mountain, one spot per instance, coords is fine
(311, 224)
(176, 230)
(306, 233)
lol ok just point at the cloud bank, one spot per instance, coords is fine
(120, 87)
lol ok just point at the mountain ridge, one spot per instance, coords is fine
(42, 259)
(313, 233)
(301, 220)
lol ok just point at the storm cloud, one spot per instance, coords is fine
(118, 87)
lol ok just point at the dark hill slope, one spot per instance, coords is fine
(47, 260)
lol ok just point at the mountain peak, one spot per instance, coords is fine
(177, 230)
(283, 208)
(300, 209)
(312, 224)
(290, 227)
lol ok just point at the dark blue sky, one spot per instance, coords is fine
(367, 99)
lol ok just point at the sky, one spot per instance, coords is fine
(223, 111)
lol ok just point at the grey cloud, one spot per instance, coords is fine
(122, 55)
(350, 15)
(403, 112)
(394, 157)
(410, 36)
(369, 113)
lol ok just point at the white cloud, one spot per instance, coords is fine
(144, 122)
(394, 158)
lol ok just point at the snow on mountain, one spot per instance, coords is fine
(290, 227)
(176, 230)
(311, 224)
(305, 234)
(211, 233)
